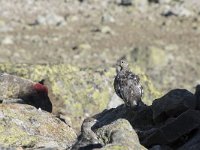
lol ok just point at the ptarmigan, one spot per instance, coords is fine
(127, 85)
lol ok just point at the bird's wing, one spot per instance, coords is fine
(136, 82)
(117, 86)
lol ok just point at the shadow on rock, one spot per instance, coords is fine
(171, 122)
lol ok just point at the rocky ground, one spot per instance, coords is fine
(162, 38)
(171, 122)
(74, 45)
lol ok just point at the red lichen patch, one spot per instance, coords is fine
(40, 88)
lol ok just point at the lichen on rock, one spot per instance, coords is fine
(78, 92)
(25, 126)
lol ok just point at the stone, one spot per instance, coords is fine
(7, 41)
(165, 1)
(193, 143)
(142, 5)
(172, 104)
(119, 134)
(142, 119)
(114, 129)
(197, 96)
(126, 2)
(50, 19)
(174, 130)
(106, 30)
(106, 18)
(84, 46)
(160, 147)
(176, 11)
(14, 89)
(26, 126)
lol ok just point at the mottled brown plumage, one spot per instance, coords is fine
(127, 85)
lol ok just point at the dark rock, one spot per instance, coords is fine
(142, 119)
(197, 95)
(174, 130)
(193, 143)
(126, 2)
(14, 89)
(153, 1)
(172, 104)
(160, 147)
(114, 130)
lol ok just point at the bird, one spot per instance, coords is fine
(41, 92)
(127, 85)
(14, 89)
(87, 139)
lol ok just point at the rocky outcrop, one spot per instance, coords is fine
(172, 104)
(175, 122)
(27, 127)
(171, 122)
(115, 131)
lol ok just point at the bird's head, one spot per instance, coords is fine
(40, 88)
(88, 123)
(121, 64)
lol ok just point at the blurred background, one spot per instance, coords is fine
(74, 46)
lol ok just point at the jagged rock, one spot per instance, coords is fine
(197, 96)
(172, 104)
(115, 131)
(125, 2)
(14, 89)
(193, 143)
(25, 126)
(142, 119)
(174, 130)
(160, 147)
